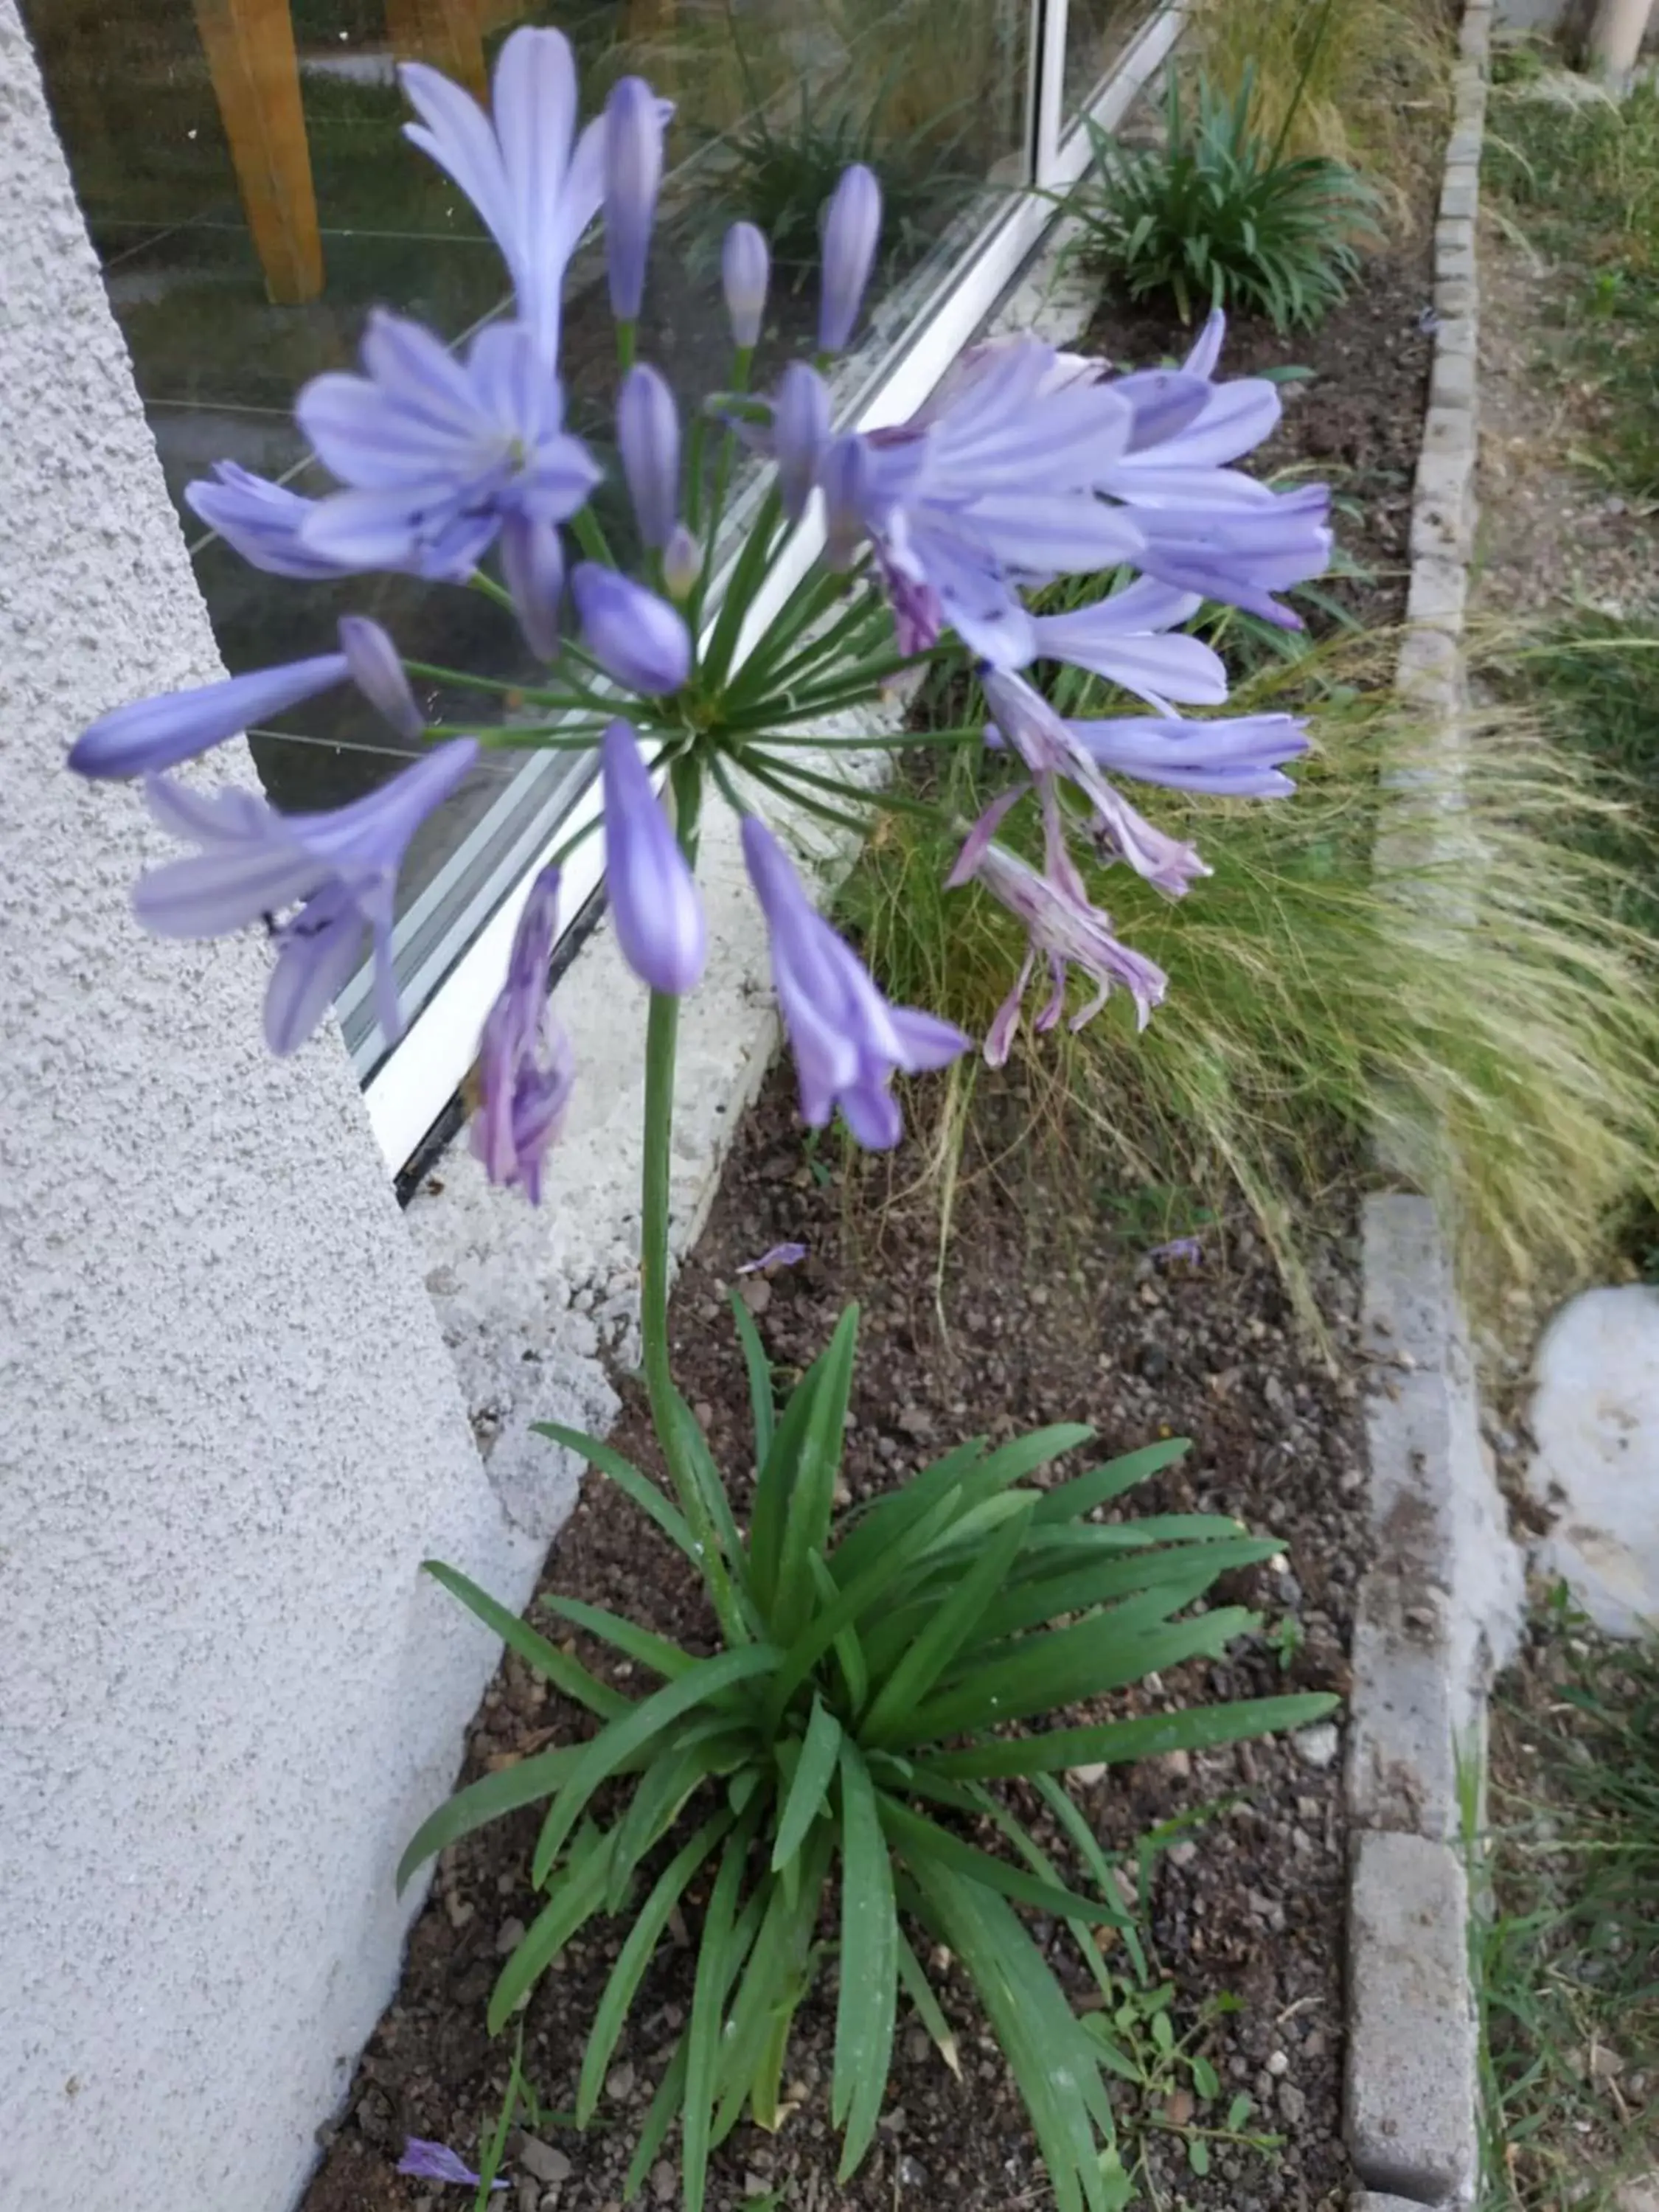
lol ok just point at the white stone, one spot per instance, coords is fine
(1595, 1419)
(1317, 1746)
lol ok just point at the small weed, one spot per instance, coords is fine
(1285, 1639)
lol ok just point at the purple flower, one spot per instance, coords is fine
(780, 1255)
(989, 487)
(159, 732)
(847, 1039)
(1207, 347)
(1062, 926)
(648, 437)
(1123, 639)
(654, 899)
(536, 193)
(339, 870)
(634, 635)
(1054, 752)
(1236, 756)
(1189, 1248)
(526, 1067)
(435, 2161)
(1245, 554)
(852, 228)
(746, 271)
(262, 521)
(438, 453)
(633, 175)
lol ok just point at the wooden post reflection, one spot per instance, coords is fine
(446, 33)
(249, 45)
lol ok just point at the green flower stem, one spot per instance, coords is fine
(797, 797)
(851, 689)
(827, 742)
(775, 669)
(627, 332)
(506, 737)
(661, 1039)
(576, 702)
(492, 590)
(881, 800)
(753, 564)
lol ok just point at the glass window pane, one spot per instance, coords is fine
(1097, 34)
(245, 177)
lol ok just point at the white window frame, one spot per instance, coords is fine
(407, 1093)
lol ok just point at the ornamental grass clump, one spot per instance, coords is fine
(831, 1768)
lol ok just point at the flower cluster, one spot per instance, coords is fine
(1027, 466)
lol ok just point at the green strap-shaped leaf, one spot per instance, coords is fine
(717, 1966)
(486, 1800)
(849, 1651)
(1101, 1653)
(759, 1379)
(875, 1531)
(773, 1486)
(656, 1652)
(1045, 2046)
(868, 1998)
(777, 1978)
(565, 1673)
(937, 1645)
(635, 1956)
(658, 2119)
(812, 1493)
(929, 2011)
(577, 1896)
(810, 1785)
(1101, 1484)
(629, 1479)
(709, 1747)
(603, 1757)
(1115, 1742)
(711, 1488)
(1191, 1567)
(851, 1601)
(919, 1838)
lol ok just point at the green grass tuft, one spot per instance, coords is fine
(1564, 1944)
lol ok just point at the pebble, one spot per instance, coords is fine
(756, 1294)
(528, 2194)
(917, 2044)
(912, 2173)
(619, 2083)
(542, 2159)
(508, 1936)
(1279, 2065)
(1183, 1854)
(665, 2182)
(1317, 1746)
(1292, 2103)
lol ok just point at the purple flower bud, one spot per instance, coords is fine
(633, 173)
(682, 563)
(851, 230)
(532, 562)
(845, 474)
(157, 733)
(633, 634)
(526, 1067)
(847, 1040)
(648, 435)
(378, 673)
(653, 900)
(746, 271)
(801, 428)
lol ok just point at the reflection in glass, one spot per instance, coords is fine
(1096, 32)
(247, 183)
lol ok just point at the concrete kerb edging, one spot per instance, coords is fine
(1437, 1609)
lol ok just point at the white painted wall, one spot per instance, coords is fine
(228, 1429)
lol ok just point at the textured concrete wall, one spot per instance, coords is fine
(228, 1429)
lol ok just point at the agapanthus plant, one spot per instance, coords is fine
(865, 1672)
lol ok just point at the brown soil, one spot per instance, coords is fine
(1046, 1316)
(1042, 1311)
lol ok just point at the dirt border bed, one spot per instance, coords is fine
(1441, 1607)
